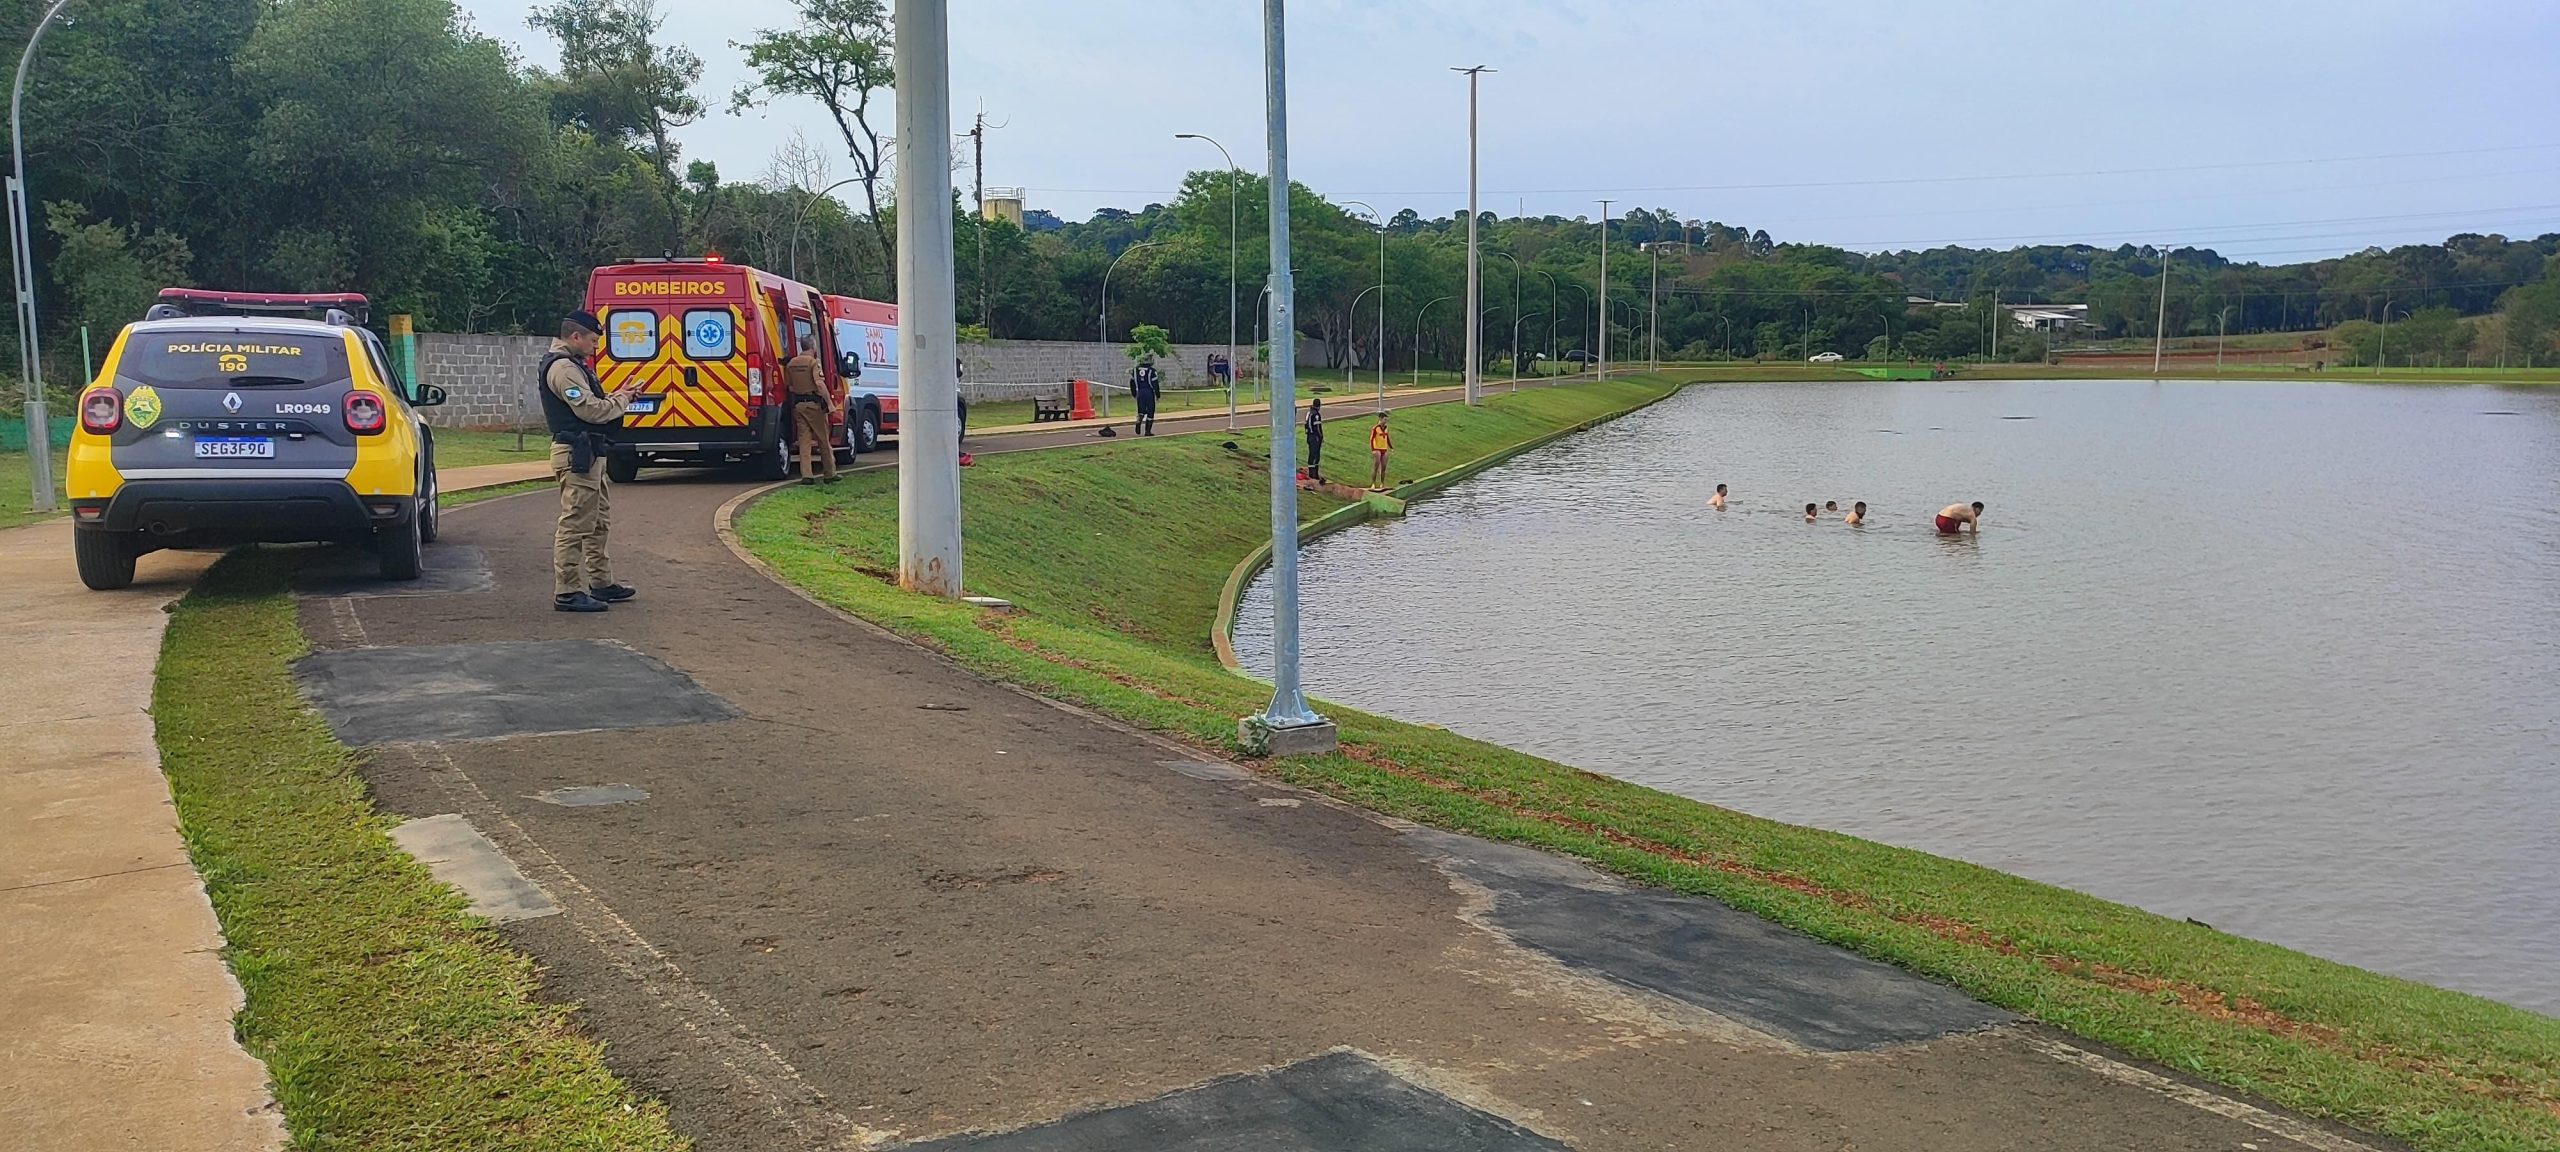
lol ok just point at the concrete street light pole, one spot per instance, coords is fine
(802, 217)
(1555, 309)
(2160, 326)
(1354, 314)
(1515, 318)
(1287, 727)
(1475, 280)
(1234, 177)
(1102, 326)
(1417, 337)
(21, 241)
(1604, 289)
(928, 323)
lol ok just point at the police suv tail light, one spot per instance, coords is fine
(365, 413)
(101, 411)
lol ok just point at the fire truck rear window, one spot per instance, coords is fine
(233, 359)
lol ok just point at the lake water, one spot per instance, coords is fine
(2282, 657)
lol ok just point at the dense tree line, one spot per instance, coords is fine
(386, 146)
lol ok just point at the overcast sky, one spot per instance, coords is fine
(2270, 129)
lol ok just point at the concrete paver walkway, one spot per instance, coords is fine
(115, 1004)
(891, 902)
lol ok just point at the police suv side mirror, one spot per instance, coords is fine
(850, 367)
(429, 396)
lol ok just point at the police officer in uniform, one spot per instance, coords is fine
(579, 414)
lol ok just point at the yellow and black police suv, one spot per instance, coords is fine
(227, 418)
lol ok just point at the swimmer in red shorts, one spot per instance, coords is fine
(1954, 517)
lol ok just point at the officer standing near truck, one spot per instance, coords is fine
(579, 414)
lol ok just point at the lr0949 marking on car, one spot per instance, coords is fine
(302, 409)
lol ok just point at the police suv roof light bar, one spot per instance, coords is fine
(342, 308)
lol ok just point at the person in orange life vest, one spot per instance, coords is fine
(1379, 445)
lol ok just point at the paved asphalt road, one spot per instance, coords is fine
(870, 899)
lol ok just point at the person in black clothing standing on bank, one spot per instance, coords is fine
(1145, 386)
(1315, 439)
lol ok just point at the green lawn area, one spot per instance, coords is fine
(469, 447)
(1116, 554)
(388, 1016)
(17, 493)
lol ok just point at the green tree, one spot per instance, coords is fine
(1147, 341)
(840, 55)
(107, 277)
(622, 86)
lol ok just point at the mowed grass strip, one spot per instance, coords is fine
(389, 1017)
(1116, 554)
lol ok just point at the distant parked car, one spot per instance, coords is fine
(1578, 356)
(1825, 358)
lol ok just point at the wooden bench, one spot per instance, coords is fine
(1046, 409)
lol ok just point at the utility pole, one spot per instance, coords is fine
(1604, 289)
(30, 346)
(978, 173)
(2160, 326)
(1475, 285)
(1287, 727)
(928, 352)
(1995, 325)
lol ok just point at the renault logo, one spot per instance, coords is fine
(230, 401)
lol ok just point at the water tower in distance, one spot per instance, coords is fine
(1004, 204)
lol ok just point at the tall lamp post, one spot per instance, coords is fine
(2160, 326)
(1515, 324)
(1604, 289)
(1234, 177)
(1351, 364)
(1286, 727)
(928, 323)
(1417, 335)
(1515, 347)
(1381, 222)
(1555, 309)
(1102, 328)
(30, 345)
(1475, 278)
(802, 217)
(1582, 320)
(1653, 334)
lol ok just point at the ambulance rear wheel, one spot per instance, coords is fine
(622, 467)
(105, 558)
(866, 430)
(775, 462)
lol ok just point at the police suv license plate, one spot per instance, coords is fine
(642, 405)
(236, 448)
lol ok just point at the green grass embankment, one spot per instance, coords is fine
(388, 1016)
(1116, 554)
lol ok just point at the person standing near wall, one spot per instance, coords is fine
(578, 416)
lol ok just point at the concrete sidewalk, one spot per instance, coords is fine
(115, 1003)
(115, 1000)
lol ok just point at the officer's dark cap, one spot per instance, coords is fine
(582, 320)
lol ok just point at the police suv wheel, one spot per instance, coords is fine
(399, 547)
(105, 559)
(429, 495)
(867, 431)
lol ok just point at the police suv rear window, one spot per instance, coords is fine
(228, 359)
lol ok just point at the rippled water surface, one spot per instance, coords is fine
(2280, 657)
